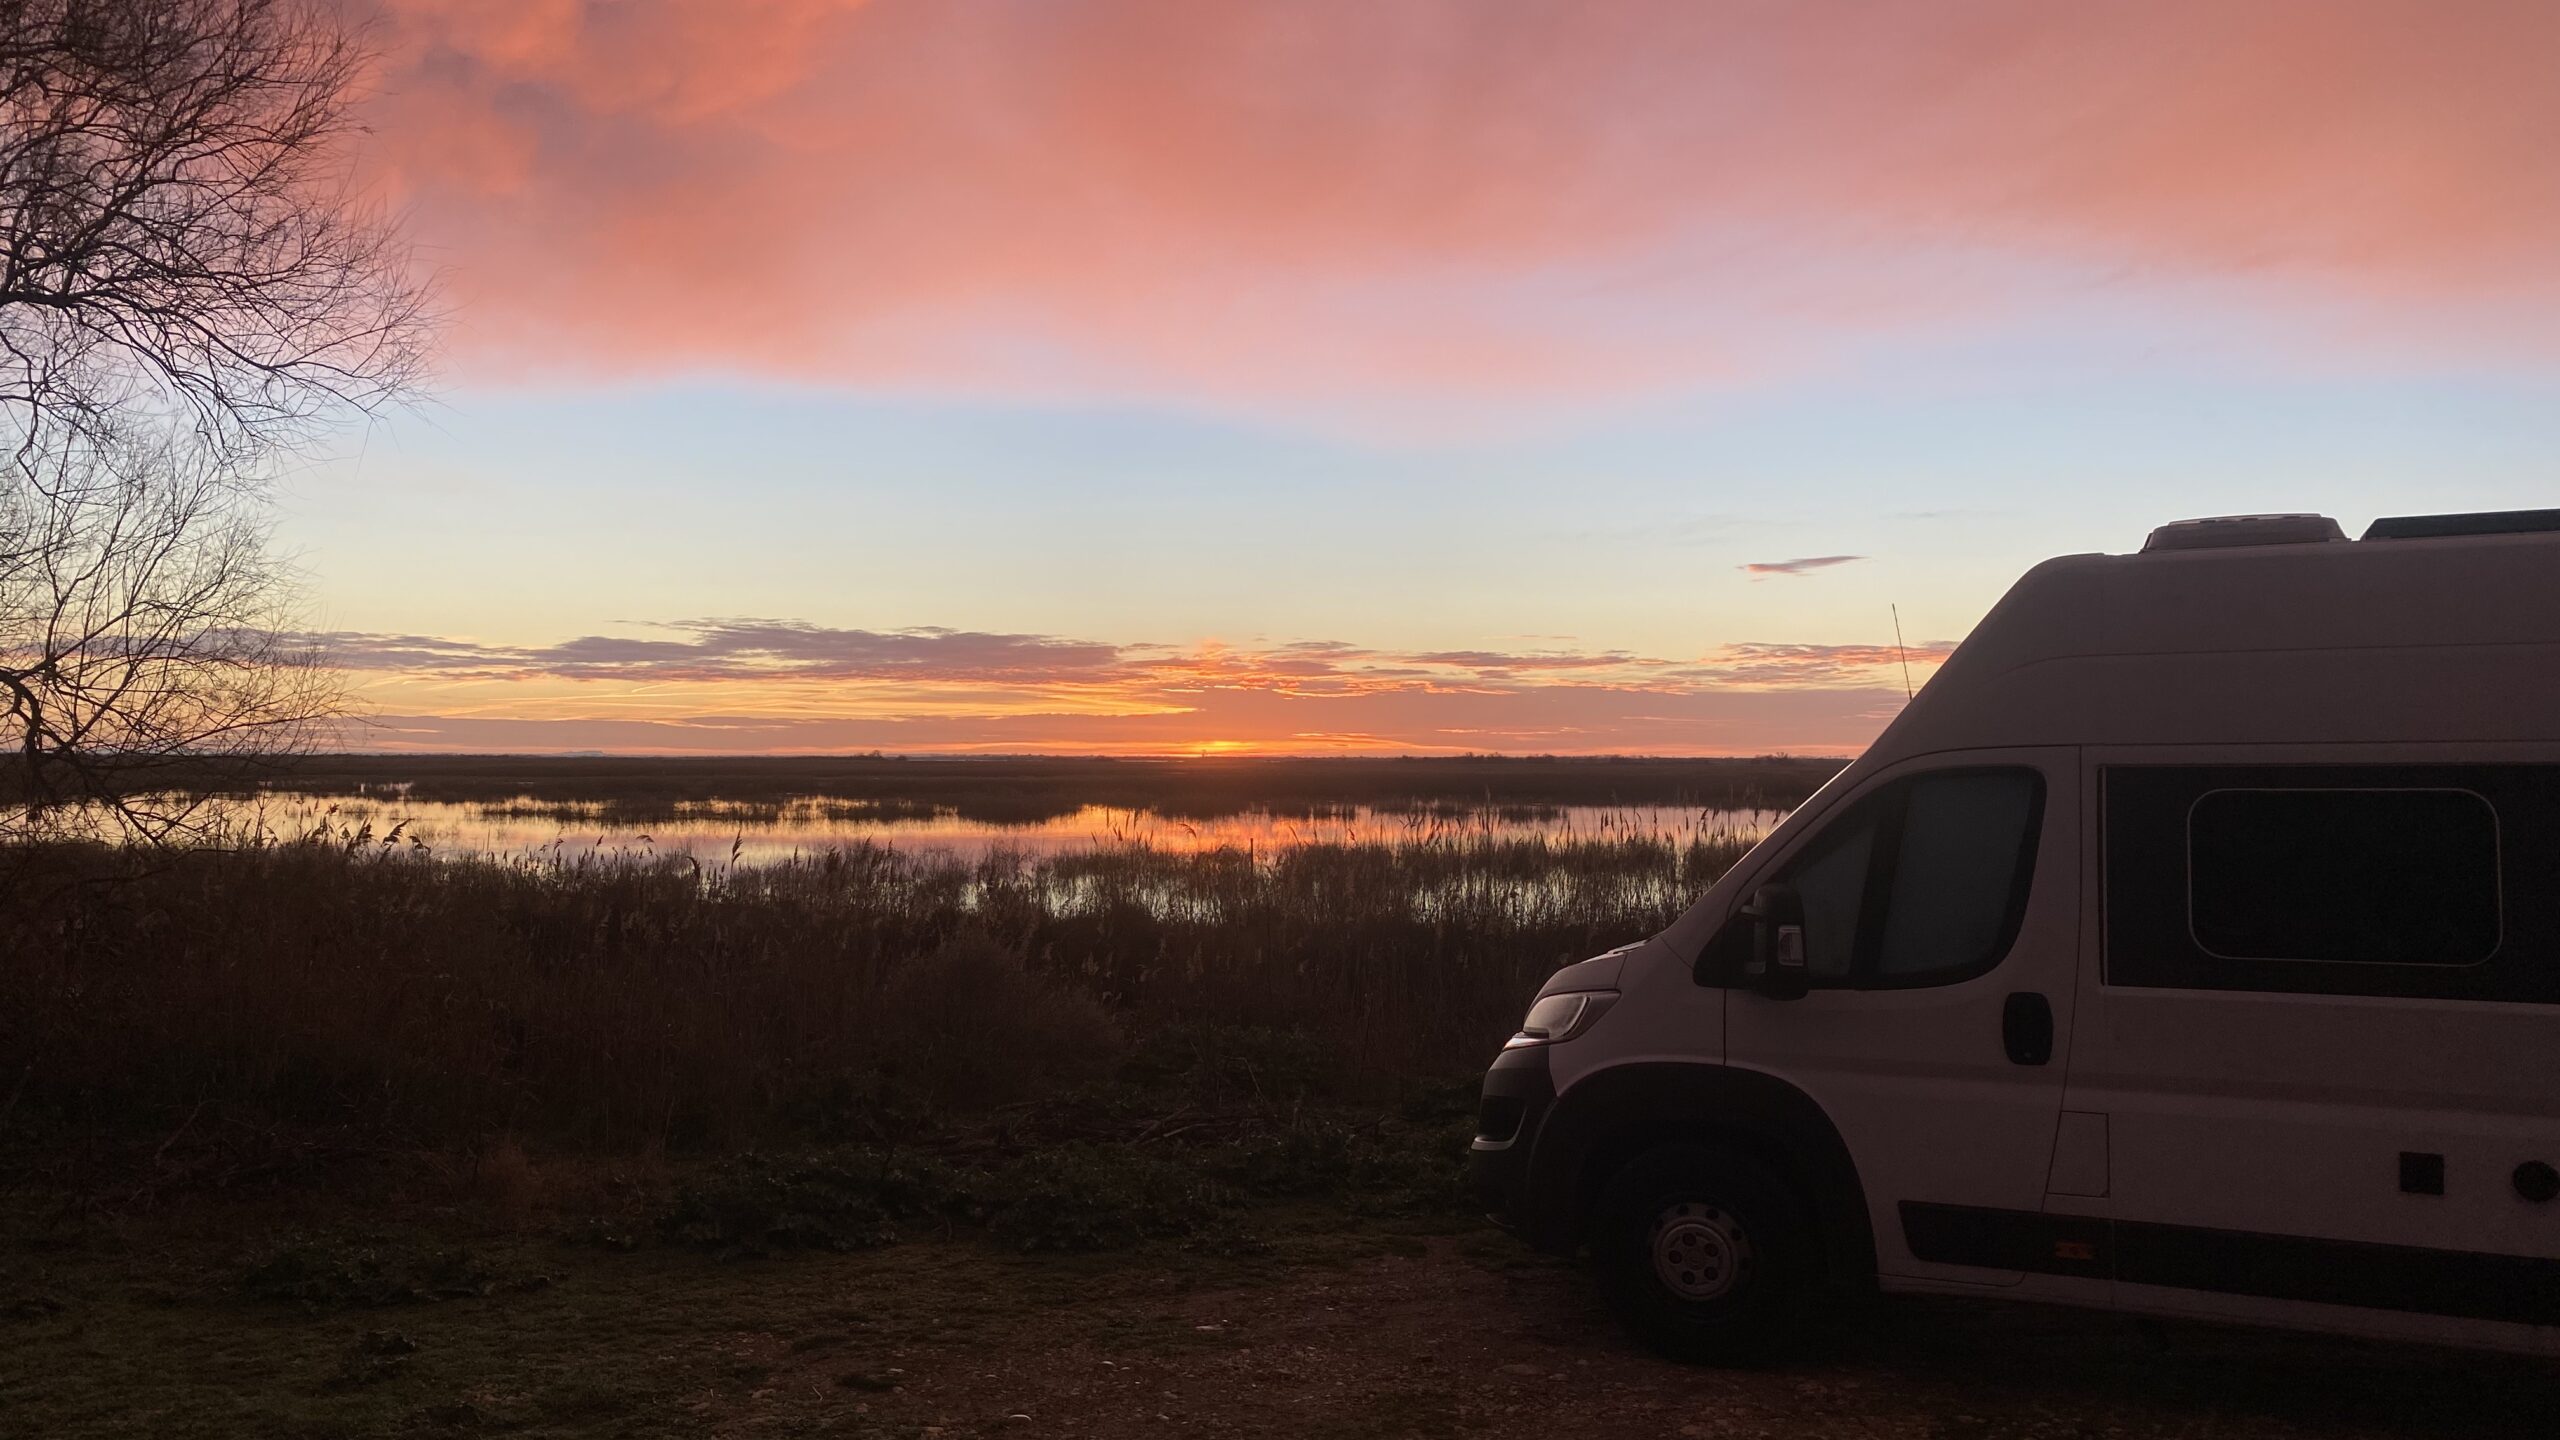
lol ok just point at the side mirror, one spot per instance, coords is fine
(1777, 968)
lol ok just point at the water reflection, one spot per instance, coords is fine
(723, 833)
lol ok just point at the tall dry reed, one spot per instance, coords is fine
(613, 1001)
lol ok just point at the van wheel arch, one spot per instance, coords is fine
(1608, 1119)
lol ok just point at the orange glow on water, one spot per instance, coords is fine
(714, 832)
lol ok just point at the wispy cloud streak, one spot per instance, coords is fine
(1761, 569)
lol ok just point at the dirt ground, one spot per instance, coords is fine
(1314, 1331)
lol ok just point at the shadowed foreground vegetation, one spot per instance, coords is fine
(329, 1139)
(348, 1139)
(622, 1002)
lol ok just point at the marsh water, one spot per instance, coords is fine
(725, 833)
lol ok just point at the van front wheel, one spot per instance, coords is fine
(1706, 1254)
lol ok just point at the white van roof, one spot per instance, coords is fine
(2264, 630)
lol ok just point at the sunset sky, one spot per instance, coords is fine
(1389, 375)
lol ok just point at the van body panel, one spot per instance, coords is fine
(2333, 1122)
(1917, 1079)
(1663, 1014)
(2212, 1121)
(2279, 644)
(2288, 697)
(1600, 972)
(2181, 1304)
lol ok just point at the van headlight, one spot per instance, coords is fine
(1558, 1018)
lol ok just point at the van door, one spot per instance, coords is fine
(2327, 1042)
(1941, 908)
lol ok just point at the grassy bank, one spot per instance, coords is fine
(230, 1318)
(618, 1004)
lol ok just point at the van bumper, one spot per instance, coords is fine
(1518, 1091)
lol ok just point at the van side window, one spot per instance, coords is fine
(2389, 877)
(2413, 881)
(1922, 882)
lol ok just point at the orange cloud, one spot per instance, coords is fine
(1440, 198)
(737, 685)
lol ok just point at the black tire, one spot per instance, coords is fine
(1707, 1254)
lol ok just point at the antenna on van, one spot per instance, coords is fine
(1901, 655)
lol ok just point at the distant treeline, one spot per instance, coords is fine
(1033, 788)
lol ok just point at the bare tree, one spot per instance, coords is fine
(188, 287)
(148, 637)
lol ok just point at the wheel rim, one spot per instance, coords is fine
(1700, 1250)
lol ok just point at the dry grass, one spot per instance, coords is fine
(974, 1027)
(626, 1003)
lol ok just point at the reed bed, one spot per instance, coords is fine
(1029, 789)
(615, 1000)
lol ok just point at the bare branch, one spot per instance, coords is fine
(176, 236)
(187, 286)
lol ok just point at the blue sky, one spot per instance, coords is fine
(542, 514)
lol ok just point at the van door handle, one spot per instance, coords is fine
(2026, 1028)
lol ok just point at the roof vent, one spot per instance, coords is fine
(2224, 530)
(2485, 522)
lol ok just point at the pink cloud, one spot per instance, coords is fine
(1794, 666)
(1436, 197)
(726, 685)
(722, 650)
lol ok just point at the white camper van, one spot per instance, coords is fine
(2189, 946)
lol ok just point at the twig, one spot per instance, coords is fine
(151, 1179)
(183, 1127)
(1147, 1134)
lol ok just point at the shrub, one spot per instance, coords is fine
(970, 1027)
(320, 1274)
(1216, 1064)
(851, 1200)
(1090, 1197)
